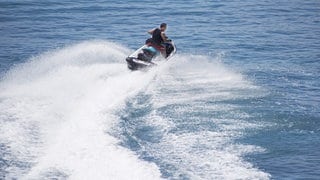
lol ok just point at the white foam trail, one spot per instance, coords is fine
(56, 111)
(192, 86)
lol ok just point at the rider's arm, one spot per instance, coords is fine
(164, 37)
(151, 31)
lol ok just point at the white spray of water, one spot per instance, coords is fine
(57, 111)
(196, 135)
(57, 108)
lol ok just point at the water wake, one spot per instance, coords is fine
(188, 121)
(57, 110)
(78, 113)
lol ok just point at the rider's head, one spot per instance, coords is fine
(163, 27)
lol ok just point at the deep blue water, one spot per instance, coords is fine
(240, 100)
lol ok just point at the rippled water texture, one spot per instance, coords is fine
(240, 100)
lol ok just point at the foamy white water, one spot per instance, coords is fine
(190, 135)
(196, 119)
(60, 113)
(58, 110)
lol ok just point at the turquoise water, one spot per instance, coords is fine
(240, 100)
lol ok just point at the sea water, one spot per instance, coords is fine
(240, 100)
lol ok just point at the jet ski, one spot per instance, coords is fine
(143, 58)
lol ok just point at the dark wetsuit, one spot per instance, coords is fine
(158, 41)
(156, 37)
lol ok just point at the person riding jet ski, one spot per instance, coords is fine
(158, 35)
(159, 40)
(157, 46)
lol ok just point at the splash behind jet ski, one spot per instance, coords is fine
(143, 57)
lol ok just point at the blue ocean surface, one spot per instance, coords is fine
(239, 100)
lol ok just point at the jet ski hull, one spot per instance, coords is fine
(143, 58)
(136, 64)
